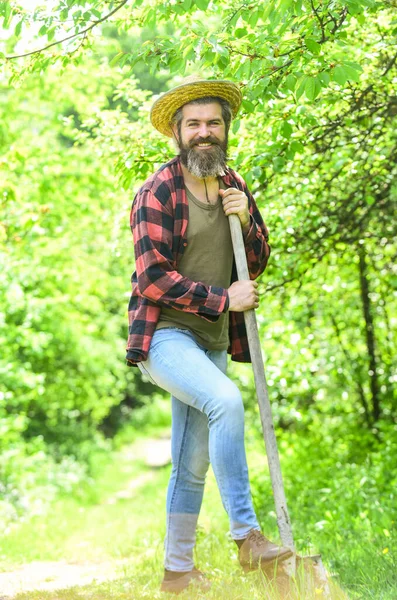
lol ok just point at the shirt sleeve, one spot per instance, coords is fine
(158, 280)
(257, 247)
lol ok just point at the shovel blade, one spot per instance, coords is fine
(304, 578)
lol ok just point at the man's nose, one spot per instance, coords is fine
(204, 130)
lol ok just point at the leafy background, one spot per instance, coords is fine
(316, 141)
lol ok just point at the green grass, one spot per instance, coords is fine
(94, 523)
(122, 516)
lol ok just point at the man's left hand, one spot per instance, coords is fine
(235, 202)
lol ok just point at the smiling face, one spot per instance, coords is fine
(202, 139)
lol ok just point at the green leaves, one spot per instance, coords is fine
(339, 74)
(248, 106)
(354, 6)
(219, 54)
(116, 59)
(201, 4)
(278, 164)
(286, 129)
(51, 33)
(312, 45)
(63, 375)
(7, 13)
(295, 147)
(312, 87)
(18, 28)
(236, 125)
(347, 71)
(290, 82)
(316, 144)
(240, 32)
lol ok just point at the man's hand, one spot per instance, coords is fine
(236, 202)
(243, 295)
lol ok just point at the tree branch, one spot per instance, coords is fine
(233, 15)
(320, 20)
(356, 376)
(369, 333)
(83, 32)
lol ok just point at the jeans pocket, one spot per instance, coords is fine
(145, 372)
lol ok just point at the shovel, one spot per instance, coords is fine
(303, 578)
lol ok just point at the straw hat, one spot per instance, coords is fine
(167, 104)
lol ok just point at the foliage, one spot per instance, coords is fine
(342, 503)
(316, 142)
(65, 251)
(318, 80)
(344, 512)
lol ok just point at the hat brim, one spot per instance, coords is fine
(166, 106)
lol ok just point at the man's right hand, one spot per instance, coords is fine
(243, 295)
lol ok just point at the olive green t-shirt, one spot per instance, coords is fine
(208, 258)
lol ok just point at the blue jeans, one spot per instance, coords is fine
(207, 426)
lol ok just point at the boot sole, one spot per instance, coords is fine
(203, 584)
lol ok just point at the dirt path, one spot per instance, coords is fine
(49, 576)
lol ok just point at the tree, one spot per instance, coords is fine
(315, 141)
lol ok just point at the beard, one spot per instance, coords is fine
(204, 163)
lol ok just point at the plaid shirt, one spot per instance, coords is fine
(158, 220)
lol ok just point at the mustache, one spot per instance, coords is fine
(200, 140)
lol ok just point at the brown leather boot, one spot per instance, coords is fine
(257, 551)
(176, 586)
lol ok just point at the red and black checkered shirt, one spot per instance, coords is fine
(158, 220)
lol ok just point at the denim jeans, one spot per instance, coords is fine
(207, 426)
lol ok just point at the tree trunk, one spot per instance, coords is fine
(370, 335)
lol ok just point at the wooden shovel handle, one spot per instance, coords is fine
(283, 520)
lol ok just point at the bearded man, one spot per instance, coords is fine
(186, 312)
